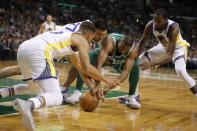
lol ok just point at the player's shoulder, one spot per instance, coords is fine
(108, 43)
(76, 37)
(173, 25)
(149, 24)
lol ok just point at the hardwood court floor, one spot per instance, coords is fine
(167, 105)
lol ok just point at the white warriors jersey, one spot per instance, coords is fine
(49, 27)
(59, 41)
(73, 27)
(162, 36)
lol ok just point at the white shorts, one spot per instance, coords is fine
(159, 50)
(32, 61)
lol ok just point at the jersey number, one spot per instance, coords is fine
(72, 27)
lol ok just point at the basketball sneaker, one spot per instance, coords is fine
(123, 100)
(74, 98)
(24, 107)
(132, 102)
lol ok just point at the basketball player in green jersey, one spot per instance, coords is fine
(119, 52)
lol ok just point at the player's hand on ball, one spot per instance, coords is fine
(98, 92)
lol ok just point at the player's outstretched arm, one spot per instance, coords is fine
(10, 71)
(145, 36)
(83, 47)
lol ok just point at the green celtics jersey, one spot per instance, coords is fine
(116, 57)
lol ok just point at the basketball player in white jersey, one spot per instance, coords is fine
(35, 59)
(171, 46)
(48, 25)
(15, 70)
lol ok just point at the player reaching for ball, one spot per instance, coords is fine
(118, 51)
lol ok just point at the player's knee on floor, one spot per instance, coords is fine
(52, 99)
(58, 99)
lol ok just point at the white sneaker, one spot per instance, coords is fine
(74, 98)
(132, 103)
(25, 111)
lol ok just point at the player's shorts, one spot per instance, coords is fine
(32, 61)
(159, 50)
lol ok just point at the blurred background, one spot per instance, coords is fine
(21, 19)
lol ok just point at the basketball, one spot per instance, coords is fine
(89, 102)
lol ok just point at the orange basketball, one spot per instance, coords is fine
(89, 102)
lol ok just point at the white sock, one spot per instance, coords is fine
(37, 102)
(64, 88)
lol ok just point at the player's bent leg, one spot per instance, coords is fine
(134, 78)
(25, 108)
(50, 94)
(18, 89)
(154, 53)
(133, 98)
(180, 68)
(10, 71)
(14, 90)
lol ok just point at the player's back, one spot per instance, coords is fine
(56, 36)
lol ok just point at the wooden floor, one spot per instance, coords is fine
(167, 105)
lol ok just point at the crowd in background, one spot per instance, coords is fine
(21, 19)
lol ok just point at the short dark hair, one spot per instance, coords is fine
(49, 15)
(161, 12)
(87, 26)
(100, 24)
